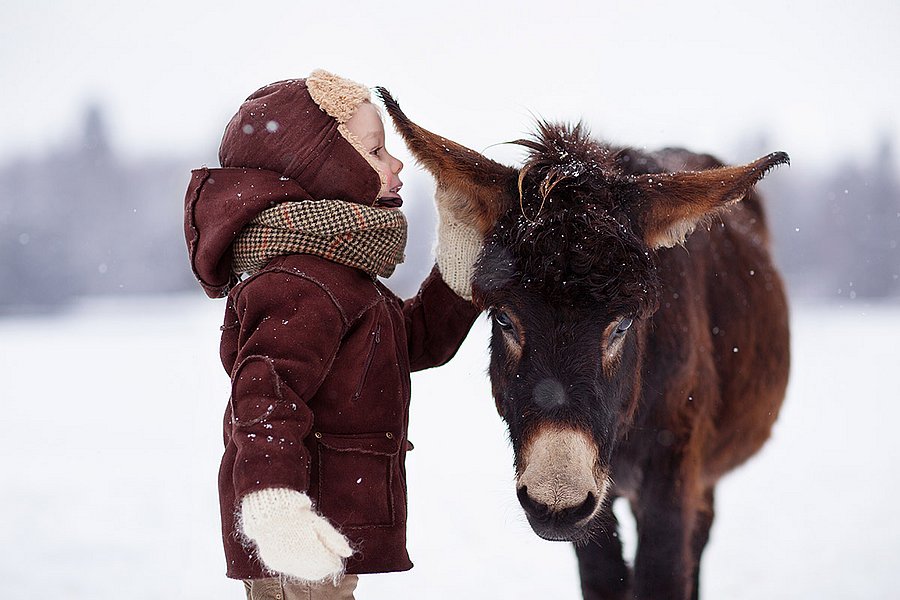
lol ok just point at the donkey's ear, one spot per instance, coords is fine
(476, 189)
(672, 204)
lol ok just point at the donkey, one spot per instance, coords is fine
(629, 357)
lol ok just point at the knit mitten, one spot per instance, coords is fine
(290, 537)
(458, 246)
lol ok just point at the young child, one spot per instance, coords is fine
(312, 484)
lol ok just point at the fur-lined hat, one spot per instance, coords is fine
(297, 128)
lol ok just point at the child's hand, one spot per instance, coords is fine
(457, 249)
(290, 537)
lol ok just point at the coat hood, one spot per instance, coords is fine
(218, 204)
(297, 128)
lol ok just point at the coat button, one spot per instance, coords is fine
(389, 435)
(317, 435)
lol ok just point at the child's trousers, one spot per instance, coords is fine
(274, 588)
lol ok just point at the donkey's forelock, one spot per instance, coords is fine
(575, 256)
(570, 236)
(569, 146)
(563, 154)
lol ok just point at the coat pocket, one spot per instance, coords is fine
(356, 478)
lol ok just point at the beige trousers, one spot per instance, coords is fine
(275, 588)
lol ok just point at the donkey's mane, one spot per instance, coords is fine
(567, 236)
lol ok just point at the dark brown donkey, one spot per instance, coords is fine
(627, 358)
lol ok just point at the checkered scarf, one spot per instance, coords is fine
(371, 239)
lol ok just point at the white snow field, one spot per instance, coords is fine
(111, 437)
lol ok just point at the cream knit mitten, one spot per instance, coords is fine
(458, 246)
(290, 537)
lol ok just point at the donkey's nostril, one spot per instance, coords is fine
(539, 510)
(585, 509)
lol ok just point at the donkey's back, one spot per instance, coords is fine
(720, 337)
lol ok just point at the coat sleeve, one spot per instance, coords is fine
(288, 331)
(437, 322)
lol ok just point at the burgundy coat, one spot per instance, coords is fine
(319, 356)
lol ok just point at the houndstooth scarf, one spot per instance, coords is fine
(371, 239)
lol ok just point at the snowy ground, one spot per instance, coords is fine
(111, 441)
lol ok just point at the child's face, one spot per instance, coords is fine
(366, 125)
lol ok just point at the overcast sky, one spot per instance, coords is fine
(819, 77)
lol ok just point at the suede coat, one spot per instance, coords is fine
(319, 356)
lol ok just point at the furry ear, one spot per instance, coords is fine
(672, 204)
(476, 189)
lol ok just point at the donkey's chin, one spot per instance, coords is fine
(575, 535)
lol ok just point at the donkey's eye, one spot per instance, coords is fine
(502, 319)
(621, 329)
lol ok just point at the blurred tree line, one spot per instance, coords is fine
(84, 220)
(836, 228)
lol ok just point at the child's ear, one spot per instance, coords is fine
(672, 204)
(476, 189)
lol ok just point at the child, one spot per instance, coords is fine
(312, 484)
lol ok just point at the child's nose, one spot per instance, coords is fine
(397, 166)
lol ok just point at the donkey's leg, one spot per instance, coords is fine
(662, 563)
(604, 574)
(702, 524)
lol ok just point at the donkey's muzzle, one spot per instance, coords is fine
(560, 486)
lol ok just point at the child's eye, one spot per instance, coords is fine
(377, 150)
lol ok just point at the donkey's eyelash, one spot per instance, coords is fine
(502, 319)
(616, 336)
